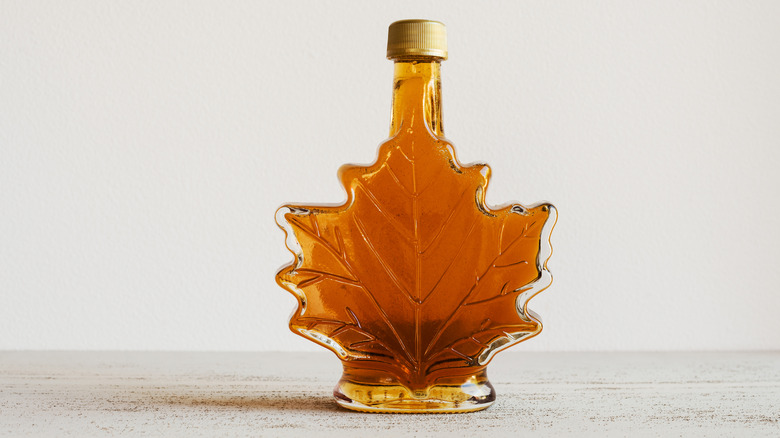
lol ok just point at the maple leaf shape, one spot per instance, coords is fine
(414, 273)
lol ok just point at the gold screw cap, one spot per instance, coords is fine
(416, 38)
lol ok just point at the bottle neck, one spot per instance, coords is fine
(407, 92)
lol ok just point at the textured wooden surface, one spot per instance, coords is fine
(288, 394)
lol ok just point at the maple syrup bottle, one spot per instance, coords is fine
(414, 282)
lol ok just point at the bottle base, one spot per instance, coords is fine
(474, 394)
(424, 408)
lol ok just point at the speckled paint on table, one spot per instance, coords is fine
(288, 394)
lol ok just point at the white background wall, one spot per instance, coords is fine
(145, 145)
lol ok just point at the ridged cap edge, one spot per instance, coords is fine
(416, 38)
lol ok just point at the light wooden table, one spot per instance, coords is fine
(288, 394)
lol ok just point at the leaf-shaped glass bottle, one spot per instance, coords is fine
(414, 282)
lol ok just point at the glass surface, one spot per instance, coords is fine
(414, 282)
